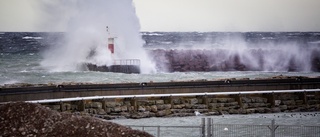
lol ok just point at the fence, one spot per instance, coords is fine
(209, 129)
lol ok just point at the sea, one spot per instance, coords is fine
(22, 52)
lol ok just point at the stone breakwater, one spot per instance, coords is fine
(234, 60)
(188, 106)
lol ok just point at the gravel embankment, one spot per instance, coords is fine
(26, 119)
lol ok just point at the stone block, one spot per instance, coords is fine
(199, 106)
(288, 102)
(224, 108)
(259, 100)
(117, 109)
(176, 101)
(163, 113)
(222, 100)
(259, 110)
(141, 108)
(213, 105)
(96, 105)
(256, 105)
(250, 111)
(220, 105)
(242, 111)
(275, 110)
(188, 106)
(112, 104)
(192, 101)
(233, 111)
(213, 100)
(124, 108)
(66, 106)
(277, 102)
(245, 105)
(246, 100)
(232, 104)
(54, 107)
(153, 108)
(299, 102)
(267, 110)
(74, 107)
(213, 112)
(159, 102)
(101, 111)
(283, 107)
(177, 106)
(146, 102)
(313, 102)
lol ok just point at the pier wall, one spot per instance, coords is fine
(68, 91)
(187, 106)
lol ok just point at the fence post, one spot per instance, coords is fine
(158, 131)
(209, 127)
(203, 127)
(273, 134)
(273, 128)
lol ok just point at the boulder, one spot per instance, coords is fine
(159, 102)
(146, 102)
(141, 108)
(288, 102)
(233, 111)
(275, 110)
(199, 106)
(250, 111)
(96, 105)
(163, 113)
(283, 107)
(153, 108)
(124, 108)
(112, 104)
(246, 100)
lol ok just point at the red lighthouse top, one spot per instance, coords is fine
(110, 42)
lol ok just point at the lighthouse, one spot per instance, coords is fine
(110, 42)
(119, 65)
(111, 45)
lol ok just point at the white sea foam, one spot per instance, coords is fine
(28, 37)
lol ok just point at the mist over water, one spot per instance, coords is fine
(86, 33)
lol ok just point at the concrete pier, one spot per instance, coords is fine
(73, 90)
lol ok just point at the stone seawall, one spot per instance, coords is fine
(229, 60)
(187, 106)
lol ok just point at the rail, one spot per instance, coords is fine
(127, 62)
(171, 95)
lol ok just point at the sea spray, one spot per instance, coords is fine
(86, 33)
(238, 52)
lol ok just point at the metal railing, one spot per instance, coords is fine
(135, 62)
(209, 129)
(171, 95)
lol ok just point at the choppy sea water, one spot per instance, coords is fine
(21, 54)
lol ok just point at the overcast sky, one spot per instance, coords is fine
(191, 15)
